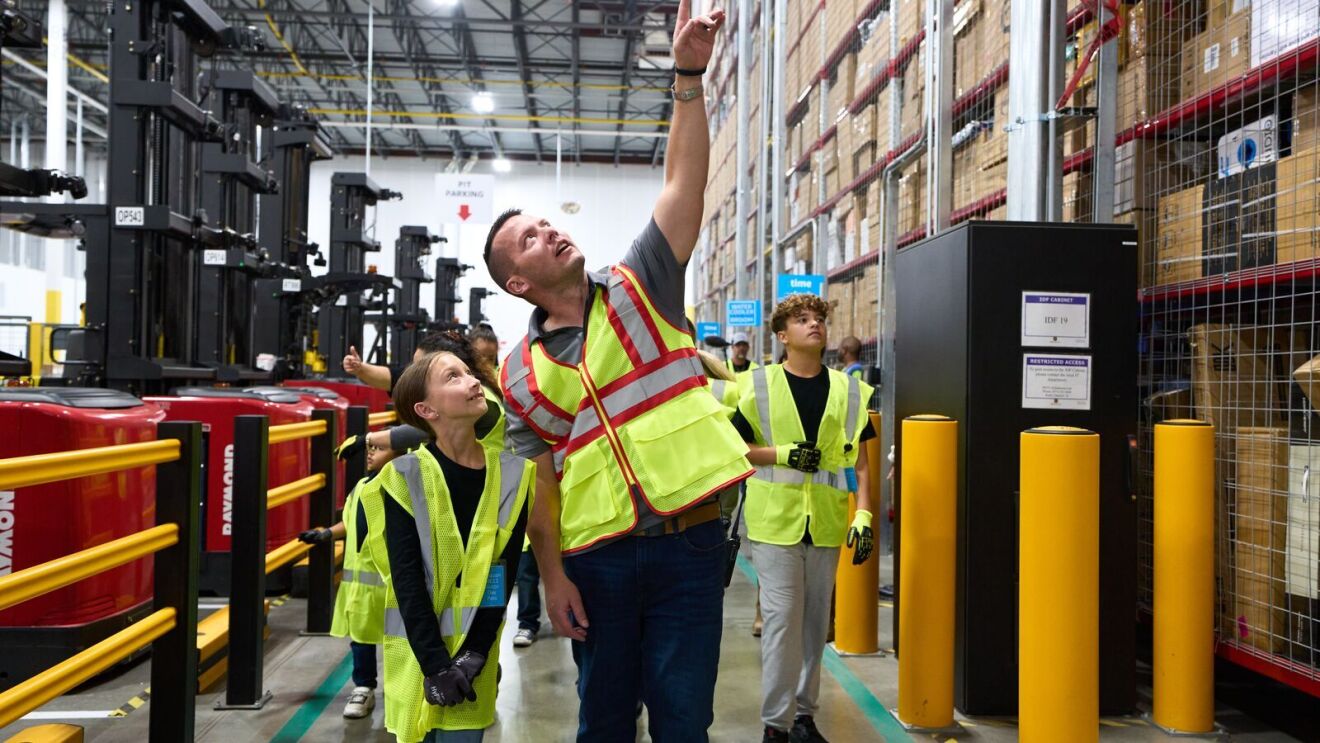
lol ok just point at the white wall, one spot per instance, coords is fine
(616, 205)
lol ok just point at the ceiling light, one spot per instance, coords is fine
(446, 3)
(483, 103)
(502, 165)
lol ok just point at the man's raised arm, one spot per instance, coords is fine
(679, 209)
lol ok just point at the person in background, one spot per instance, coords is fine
(454, 513)
(487, 347)
(805, 425)
(738, 361)
(360, 601)
(850, 355)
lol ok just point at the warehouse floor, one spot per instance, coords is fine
(309, 677)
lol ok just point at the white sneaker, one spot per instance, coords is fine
(360, 702)
(524, 638)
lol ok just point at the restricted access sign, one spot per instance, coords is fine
(465, 199)
(1052, 382)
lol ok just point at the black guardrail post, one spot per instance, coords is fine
(321, 561)
(355, 468)
(174, 654)
(247, 586)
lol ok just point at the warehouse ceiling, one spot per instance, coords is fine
(588, 77)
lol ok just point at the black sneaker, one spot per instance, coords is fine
(775, 735)
(804, 731)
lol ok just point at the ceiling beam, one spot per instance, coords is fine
(520, 47)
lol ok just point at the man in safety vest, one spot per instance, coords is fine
(607, 394)
(805, 425)
(850, 355)
(738, 361)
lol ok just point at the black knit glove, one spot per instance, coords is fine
(316, 536)
(448, 688)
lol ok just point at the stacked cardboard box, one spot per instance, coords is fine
(866, 295)
(914, 88)
(911, 19)
(1306, 117)
(1297, 207)
(967, 38)
(912, 197)
(1260, 526)
(874, 52)
(1234, 382)
(1223, 49)
(1179, 228)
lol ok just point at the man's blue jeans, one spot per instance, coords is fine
(656, 611)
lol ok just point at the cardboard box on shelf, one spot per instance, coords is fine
(967, 37)
(911, 19)
(1240, 220)
(994, 147)
(840, 17)
(1219, 11)
(912, 197)
(1146, 86)
(965, 173)
(1250, 146)
(995, 21)
(862, 125)
(1280, 26)
(1224, 51)
(829, 154)
(990, 179)
(874, 51)
(1297, 207)
(844, 85)
(1302, 562)
(1261, 499)
(833, 184)
(1233, 378)
(1306, 117)
(1259, 595)
(1179, 234)
(1077, 197)
(1144, 168)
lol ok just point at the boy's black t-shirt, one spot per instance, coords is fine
(810, 395)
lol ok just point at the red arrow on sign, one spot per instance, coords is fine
(464, 212)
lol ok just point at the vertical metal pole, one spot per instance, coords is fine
(371, 75)
(886, 308)
(356, 468)
(174, 655)
(1102, 166)
(762, 192)
(741, 157)
(321, 561)
(822, 190)
(777, 156)
(247, 585)
(1053, 125)
(1027, 101)
(939, 115)
(79, 153)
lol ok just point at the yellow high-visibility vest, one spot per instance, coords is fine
(360, 602)
(632, 419)
(780, 499)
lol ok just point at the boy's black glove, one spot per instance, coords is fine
(802, 456)
(316, 536)
(351, 447)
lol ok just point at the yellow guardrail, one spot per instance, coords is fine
(39, 469)
(29, 583)
(289, 492)
(285, 554)
(382, 419)
(56, 680)
(295, 431)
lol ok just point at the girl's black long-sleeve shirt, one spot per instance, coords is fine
(406, 572)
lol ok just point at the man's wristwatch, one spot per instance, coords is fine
(687, 94)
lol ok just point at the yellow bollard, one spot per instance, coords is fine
(1059, 586)
(1184, 655)
(856, 607)
(927, 570)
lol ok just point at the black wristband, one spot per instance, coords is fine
(689, 73)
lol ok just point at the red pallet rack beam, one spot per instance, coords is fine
(1078, 17)
(982, 90)
(1247, 278)
(852, 265)
(1301, 677)
(996, 199)
(866, 177)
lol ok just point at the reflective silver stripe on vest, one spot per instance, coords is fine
(636, 392)
(394, 626)
(519, 389)
(854, 410)
(630, 314)
(776, 475)
(717, 389)
(761, 388)
(362, 577)
(410, 468)
(511, 469)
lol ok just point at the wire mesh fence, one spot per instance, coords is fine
(1217, 165)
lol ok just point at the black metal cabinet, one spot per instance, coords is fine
(960, 352)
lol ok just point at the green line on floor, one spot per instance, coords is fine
(307, 714)
(875, 712)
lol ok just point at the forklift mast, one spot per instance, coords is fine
(283, 306)
(343, 309)
(409, 321)
(233, 176)
(447, 273)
